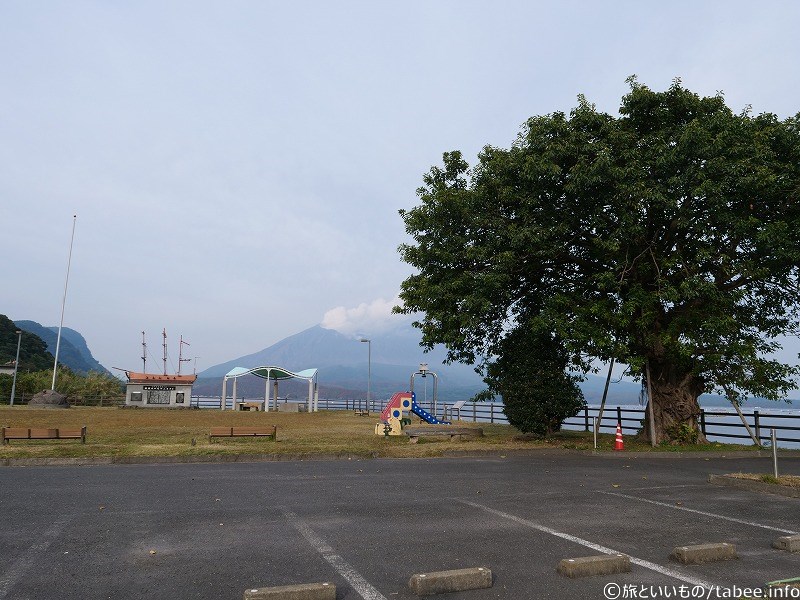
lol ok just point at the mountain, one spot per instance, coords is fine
(73, 353)
(343, 365)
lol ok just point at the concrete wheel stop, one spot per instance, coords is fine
(456, 580)
(789, 543)
(601, 564)
(303, 591)
(704, 553)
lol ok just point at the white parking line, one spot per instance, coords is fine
(356, 581)
(571, 538)
(27, 559)
(700, 512)
(666, 487)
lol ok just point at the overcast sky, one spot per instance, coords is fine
(237, 166)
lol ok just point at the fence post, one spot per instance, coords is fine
(491, 412)
(703, 420)
(774, 437)
(586, 418)
(758, 425)
(619, 415)
(474, 412)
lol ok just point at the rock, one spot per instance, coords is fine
(48, 399)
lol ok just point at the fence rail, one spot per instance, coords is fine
(713, 423)
(22, 399)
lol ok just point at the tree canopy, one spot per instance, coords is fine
(33, 354)
(666, 237)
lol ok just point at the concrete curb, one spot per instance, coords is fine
(456, 580)
(789, 543)
(754, 486)
(698, 454)
(252, 458)
(303, 591)
(168, 460)
(601, 564)
(704, 553)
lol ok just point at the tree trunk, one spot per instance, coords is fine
(676, 411)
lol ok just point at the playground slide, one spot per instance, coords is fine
(394, 404)
(425, 415)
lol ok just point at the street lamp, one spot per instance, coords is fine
(369, 370)
(16, 366)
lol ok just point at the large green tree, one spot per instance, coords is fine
(666, 237)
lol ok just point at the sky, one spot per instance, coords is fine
(237, 167)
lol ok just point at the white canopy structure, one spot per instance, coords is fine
(273, 374)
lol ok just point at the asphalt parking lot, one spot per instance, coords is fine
(212, 531)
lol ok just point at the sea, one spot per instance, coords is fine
(722, 423)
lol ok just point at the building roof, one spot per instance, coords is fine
(156, 377)
(271, 373)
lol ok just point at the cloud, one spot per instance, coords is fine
(366, 319)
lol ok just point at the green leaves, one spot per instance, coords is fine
(530, 374)
(670, 232)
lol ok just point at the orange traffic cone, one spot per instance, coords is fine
(619, 444)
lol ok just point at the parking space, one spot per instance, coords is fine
(211, 531)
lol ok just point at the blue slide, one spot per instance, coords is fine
(425, 415)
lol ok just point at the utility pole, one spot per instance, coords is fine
(16, 367)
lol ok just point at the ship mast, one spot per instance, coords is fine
(164, 334)
(180, 354)
(144, 354)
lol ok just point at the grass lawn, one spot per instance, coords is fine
(162, 432)
(792, 481)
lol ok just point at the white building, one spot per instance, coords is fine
(8, 368)
(158, 391)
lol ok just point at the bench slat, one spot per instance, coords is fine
(15, 433)
(221, 431)
(69, 434)
(253, 430)
(41, 433)
(264, 431)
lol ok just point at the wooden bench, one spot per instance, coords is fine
(455, 433)
(361, 412)
(265, 431)
(38, 433)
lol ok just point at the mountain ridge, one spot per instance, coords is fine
(74, 351)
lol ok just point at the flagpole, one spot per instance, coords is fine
(63, 303)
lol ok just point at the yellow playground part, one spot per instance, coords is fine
(391, 427)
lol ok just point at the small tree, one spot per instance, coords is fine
(530, 374)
